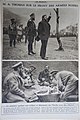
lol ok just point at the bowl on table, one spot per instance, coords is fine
(49, 97)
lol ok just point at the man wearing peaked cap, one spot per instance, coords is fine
(17, 65)
(44, 76)
(32, 14)
(12, 31)
(14, 85)
(31, 33)
(12, 19)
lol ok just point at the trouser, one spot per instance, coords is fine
(26, 39)
(71, 89)
(12, 40)
(43, 48)
(30, 43)
(60, 43)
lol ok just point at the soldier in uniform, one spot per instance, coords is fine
(67, 84)
(20, 32)
(26, 34)
(13, 85)
(44, 33)
(44, 76)
(12, 32)
(31, 33)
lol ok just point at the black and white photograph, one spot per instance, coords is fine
(39, 81)
(40, 59)
(40, 34)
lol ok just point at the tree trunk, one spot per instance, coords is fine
(57, 29)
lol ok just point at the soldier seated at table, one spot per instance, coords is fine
(44, 77)
(14, 90)
(28, 76)
(53, 81)
(68, 85)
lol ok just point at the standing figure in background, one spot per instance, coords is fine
(44, 33)
(12, 32)
(20, 32)
(31, 33)
(26, 34)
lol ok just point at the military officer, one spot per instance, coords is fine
(67, 84)
(44, 77)
(12, 31)
(14, 90)
(31, 33)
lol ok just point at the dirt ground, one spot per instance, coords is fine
(20, 52)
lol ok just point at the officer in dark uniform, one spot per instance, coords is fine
(31, 33)
(12, 32)
(44, 76)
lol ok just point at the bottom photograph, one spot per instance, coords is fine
(39, 81)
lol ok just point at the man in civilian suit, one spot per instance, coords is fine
(44, 33)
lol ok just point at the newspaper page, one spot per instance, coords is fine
(39, 60)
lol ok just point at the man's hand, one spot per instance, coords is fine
(62, 94)
(43, 79)
(26, 98)
(46, 83)
(63, 88)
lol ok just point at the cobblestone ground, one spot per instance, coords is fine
(20, 51)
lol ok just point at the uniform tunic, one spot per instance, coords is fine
(31, 34)
(14, 88)
(44, 75)
(68, 81)
(12, 34)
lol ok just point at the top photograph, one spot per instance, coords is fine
(39, 31)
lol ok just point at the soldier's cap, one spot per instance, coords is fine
(46, 66)
(12, 19)
(54, 72)
(17, 65)
(32, 14)
(20, 25)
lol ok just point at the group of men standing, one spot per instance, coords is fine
(42, 33)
